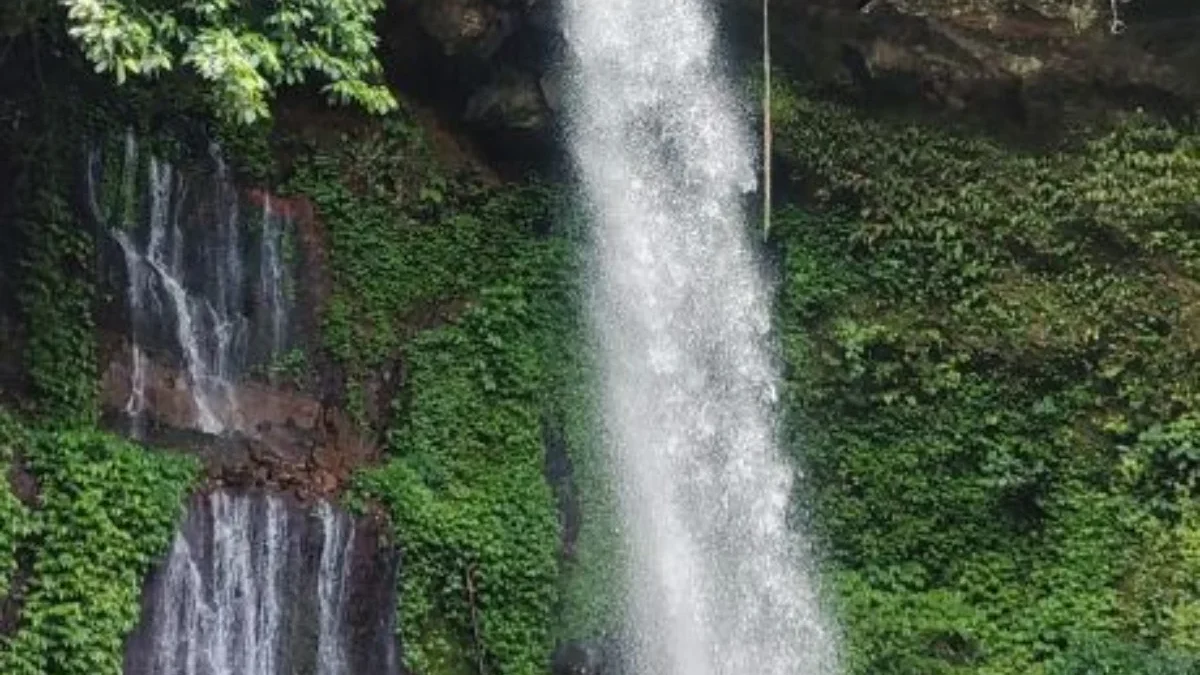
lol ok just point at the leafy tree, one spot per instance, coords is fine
(242, 48)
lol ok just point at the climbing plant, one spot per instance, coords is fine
(14, 517)
(467, 495)
(988, 381)
(467, 293)
(56, 293)
(106, 508)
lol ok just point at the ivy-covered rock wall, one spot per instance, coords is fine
(991, 379)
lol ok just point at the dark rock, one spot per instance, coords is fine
(479, 65)
(512, 101)
(560, 475)
(468, 26)
(591, 657)
(1031, 61)
(285, 438)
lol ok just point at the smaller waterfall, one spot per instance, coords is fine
(271, 275)
(158, 267)
(331, 591)
(188, 293)
(257, 586)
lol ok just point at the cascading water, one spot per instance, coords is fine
(187, 288)
(255, 586)
(272, 275)
(719, 583)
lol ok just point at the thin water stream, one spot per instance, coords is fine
(186, 249)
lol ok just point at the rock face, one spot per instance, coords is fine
(286, 438)
(282, 430)
(483, 64)
(1031, 60)
(592, 657)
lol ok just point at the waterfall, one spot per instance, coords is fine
(255, 586)
(183, 245)
(331, 592)
(720, 583)
(271, 275)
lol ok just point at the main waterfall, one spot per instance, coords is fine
(719, 582)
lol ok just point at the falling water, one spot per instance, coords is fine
(720, 585)
(183, 257)
(271, 275)
(237, 595)
(159, 266)
(331, 591)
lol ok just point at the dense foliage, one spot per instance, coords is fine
(51, 256)
(989, 360)
(990, 379)
(243, 49)
(465, 294)
(56, 294)
(14, 517)
(97, 510)
(106, 509)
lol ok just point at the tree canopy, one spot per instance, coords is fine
(243, 49)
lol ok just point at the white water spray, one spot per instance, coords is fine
(719, 583)
(212, 392)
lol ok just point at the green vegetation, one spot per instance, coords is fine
(467, 495)
(990, 380)
(56, 294)
(97, 509)
(241, 49)
(397, 243)
(453, 281)
(106, 509)
(54, 256)
(989, 372)
(14, 517)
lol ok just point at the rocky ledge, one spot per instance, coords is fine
(1031, 61)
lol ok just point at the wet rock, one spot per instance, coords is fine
(326, 582)
(512, 101)
(284, 438)
(559, 474)
(586, 657)
(1039, 59)
(469, 26)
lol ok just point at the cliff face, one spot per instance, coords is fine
(1030, 63)
(1033, 60)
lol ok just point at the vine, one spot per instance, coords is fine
(467, 289)
(57, 294)
(987, 379)
(106, 509)
(14, 517)
(467, 494)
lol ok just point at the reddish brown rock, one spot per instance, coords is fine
(281, 437)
